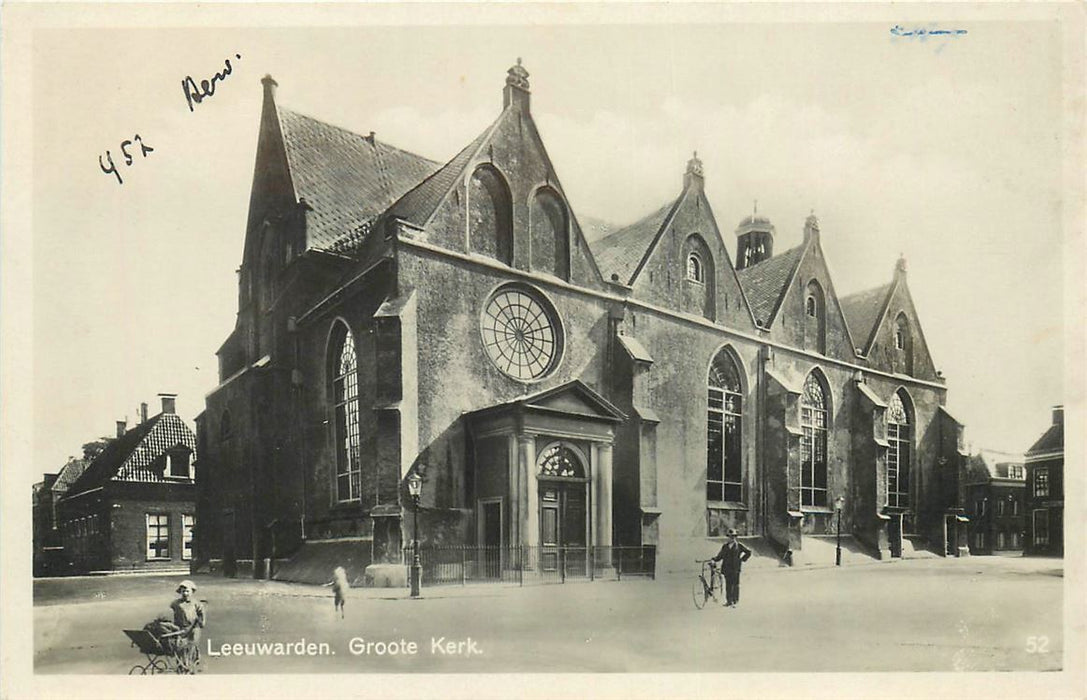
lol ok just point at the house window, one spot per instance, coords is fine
(1000, 507)
(694, 268)
(898, 452)
(1041, 527)
(1000, 540)
(979, 540)
(813, 444)
(979, 507)
(724, 444)
(1041, 482)
(179, 464)
(1015, 472)
(345, 392)
(158, 536)
(1015, 507)
(187, 522)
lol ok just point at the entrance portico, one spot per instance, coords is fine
(546, 461)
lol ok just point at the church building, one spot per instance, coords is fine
(399, 316)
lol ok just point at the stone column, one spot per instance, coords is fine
(515, 497)
(530, 525)
(602, 497)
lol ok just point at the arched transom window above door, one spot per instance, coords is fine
(561, 460)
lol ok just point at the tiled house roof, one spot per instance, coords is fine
(135, 455)
(863, 310)
(1051, 441)
(620, 252)
(764, 284)
(68, 475)
(344, 177)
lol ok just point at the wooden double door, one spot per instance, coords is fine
(564, 525)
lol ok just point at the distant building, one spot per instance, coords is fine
(994, 494)
(1045, 490)
(49, 555)
(133, 507)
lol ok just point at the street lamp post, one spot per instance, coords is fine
(415, 488)
(838, 503)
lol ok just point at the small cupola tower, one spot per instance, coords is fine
(754, 240)
(516, 91)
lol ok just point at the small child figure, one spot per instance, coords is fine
(339, 588)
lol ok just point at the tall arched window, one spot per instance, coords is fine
(345, 398)
(814, 418)
(550, 235)
(490, 215)
(815, 318)
(899, 451)
(724, 442)
(699, 289)
(903, 345)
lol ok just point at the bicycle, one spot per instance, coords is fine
(707, 586)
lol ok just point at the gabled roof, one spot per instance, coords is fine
(572, 398)
(419, 203)
(863, 311)
(621, 251)
(129, 457)
(1052, 440)
(765, 283)
(68, 475)
(346, 178)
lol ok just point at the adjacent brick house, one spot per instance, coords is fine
(398, 314)
(134, 505)
(49, 554)
(1045, 490)
(995, 499)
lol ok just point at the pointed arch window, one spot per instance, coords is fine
(815, 326)
(899, 452)
(345, 393)
(550, 230)
(814, 418)
(724, 431)
(490, 215)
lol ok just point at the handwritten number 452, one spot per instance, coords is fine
(112, 169)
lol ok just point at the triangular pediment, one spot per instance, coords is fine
(575, 398)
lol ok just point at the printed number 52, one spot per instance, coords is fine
(1037, 645)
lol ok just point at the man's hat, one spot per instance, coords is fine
(186, 584)
(732, 532)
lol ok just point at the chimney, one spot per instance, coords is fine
(168, 402)
(1058, 415)
(694, 176)
(516, 91)
(143, 412)
(122, 425)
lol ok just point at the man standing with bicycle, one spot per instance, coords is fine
(732, 555)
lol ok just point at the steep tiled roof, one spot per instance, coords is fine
(345, 177)
(419, 203)
(1051, 441)
(621, 251)
(129, 457)
(764, 284)
(862, 311)
(993, 460)
(595, 229)
(68, 475)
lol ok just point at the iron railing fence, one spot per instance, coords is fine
(522, 565)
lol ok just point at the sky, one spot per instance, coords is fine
(947, 151)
